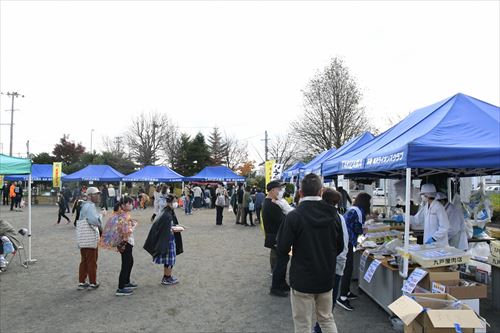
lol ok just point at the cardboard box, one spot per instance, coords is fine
(494, 261)
(425, 313)
(435, 275)
(495, 249)
(457, 289)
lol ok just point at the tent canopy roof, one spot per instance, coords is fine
(39, 173)
(154, 173)
(216, 173)
(14, 165)
(99, 173)
(458, 136)
(293, 170)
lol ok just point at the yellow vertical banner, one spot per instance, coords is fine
(1, 180)
(56, 174)
(269, 171)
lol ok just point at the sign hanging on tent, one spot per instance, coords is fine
(277, 171)
(56, 174)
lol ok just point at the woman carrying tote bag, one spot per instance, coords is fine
(87, 234)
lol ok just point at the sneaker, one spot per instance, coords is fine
(94, 285)
(169, 281)
(351, 296)
(345, 304)
(124, 292)
(278, 292)
(82, 286)
(130, 286)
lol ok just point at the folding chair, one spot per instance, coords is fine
(19, 252)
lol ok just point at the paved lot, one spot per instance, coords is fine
(224, 284)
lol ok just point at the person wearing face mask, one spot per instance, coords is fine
(435, 219)
(459, 231)
(272, 218)
(161, 242)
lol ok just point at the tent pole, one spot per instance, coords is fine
(29, 260)
(120, 189)
(404, 273)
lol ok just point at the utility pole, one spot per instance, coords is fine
(266, 139)
(12, 95)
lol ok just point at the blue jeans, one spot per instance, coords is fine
(188, 205)
(335, 294)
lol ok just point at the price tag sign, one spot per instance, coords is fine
(362, 260)
(438, 288)
(371, 270)
(412, 281)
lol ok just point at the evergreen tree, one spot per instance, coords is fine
(198, 154)
(216, 147)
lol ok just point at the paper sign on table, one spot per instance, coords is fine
(438, 288)
(362, 260)
(412, 281)
(371, 270)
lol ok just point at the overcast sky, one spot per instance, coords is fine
(240, 66)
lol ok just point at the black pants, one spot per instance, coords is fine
(257, 212)
(127, 263)
(246, 212)
(61, 214)
(6, 199)
(12, 202)
(218, 218)
(346, 278)
(279, 272)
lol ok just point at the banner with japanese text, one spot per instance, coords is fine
(269, 171)
(56, 174)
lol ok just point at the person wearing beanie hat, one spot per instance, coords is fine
(436, 223)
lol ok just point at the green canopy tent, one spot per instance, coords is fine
(19, 166)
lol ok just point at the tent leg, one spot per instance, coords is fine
(29, 260)
(404, 273)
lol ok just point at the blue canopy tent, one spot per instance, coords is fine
(39, 173)
(292, 171)
(99, 173)
(152, 173)
(348, 147)
(458, 136)
(216, 173)
(314, 166)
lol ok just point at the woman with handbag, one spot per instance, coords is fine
(220, 202)
(87, 234)
(126, 226)
(248, 207)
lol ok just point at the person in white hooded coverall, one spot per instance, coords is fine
(436, 223)
(457, 233)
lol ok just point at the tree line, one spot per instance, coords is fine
(332, 115)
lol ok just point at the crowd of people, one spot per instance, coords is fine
(164, 241)
(13, 193)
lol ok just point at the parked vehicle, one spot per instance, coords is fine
(378, 192)
(493, 189)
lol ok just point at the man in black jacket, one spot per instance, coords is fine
(273, 218)
(314, 232)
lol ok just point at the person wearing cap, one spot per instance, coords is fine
(88, 263)
(436, 224)
(272, 218)
(459, 231)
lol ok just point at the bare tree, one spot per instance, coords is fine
(147, 136)
(114, 145)
(332, 114)
(285, 150)
(235, 152)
